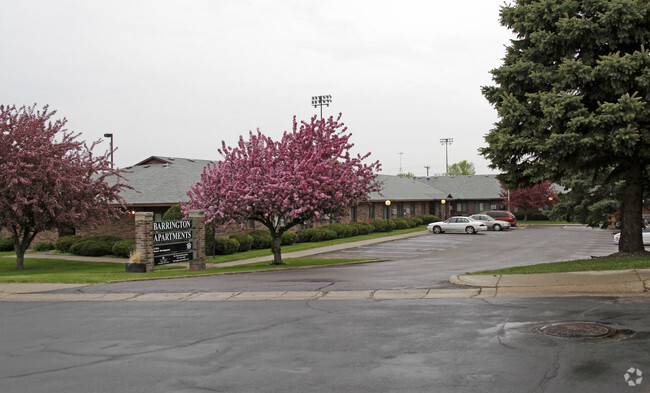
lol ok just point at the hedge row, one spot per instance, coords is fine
(261, 238)
(239, 242)
(95, 246)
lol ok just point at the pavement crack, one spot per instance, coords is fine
(551, 373)
(325, 286)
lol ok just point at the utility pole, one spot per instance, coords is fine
(427, 167)
(400, 163)
(446, 142)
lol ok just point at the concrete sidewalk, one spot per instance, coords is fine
(608, 283)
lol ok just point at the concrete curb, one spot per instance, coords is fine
(632, 282)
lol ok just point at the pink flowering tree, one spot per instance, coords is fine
(48, 179)
(308, 173)
(530, 199)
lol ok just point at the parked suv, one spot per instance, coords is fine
(503, 216)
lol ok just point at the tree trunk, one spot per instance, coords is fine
(276, 248)
(21, 244)
(20, 255)
(631, 238)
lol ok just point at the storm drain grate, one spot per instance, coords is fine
(577, 330)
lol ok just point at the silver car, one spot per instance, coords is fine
(457, 224)
(492, 224)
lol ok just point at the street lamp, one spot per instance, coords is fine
(446, 142)
(110, 136)
(444, 211)
(388, 213)
(317, 101)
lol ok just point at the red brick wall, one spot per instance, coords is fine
(123, 227)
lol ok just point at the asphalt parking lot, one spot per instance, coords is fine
(426, 261)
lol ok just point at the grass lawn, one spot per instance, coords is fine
(307, 246)
(581, 265)
(78, 272)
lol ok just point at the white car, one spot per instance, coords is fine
(646, 237)
(492, 224)
(457, 224)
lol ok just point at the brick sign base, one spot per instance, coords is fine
(144, 242)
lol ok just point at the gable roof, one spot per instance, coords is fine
(162, 180)
(465, 186)
(397, 188)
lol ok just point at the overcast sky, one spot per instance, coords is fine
(175, 78)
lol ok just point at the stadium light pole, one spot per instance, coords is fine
(317, 101)
(446, 142)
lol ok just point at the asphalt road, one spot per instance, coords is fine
(468, 345)
(421, 262)
(434, 345)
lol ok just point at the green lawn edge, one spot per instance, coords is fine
(581, 265)
(38, 270)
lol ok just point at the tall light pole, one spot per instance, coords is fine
(400, 163)
(317, 101)
(446, 142)
(110, 136)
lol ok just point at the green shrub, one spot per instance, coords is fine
(289, 238)
(173, 213)
(329, 234)
(226, 246)
(304, 235)
(381, 225)
(7, 244)
(43, 246)
(429, 218)
(316, 235)
(245, 241)
(92, 247)
(412, 222)
(363, 228)
(123, 248)
(537, 216)
(342, 230)
(417, 221)
(399, 223)
(64, 243)
(261, 239)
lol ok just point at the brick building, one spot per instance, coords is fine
(160, 182)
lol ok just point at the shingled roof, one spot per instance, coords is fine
(474, 187)
(397, 188)
(162, 180)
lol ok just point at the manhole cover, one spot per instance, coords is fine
(577, 330)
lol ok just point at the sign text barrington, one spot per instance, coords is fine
(172, 236)
(172, 225)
